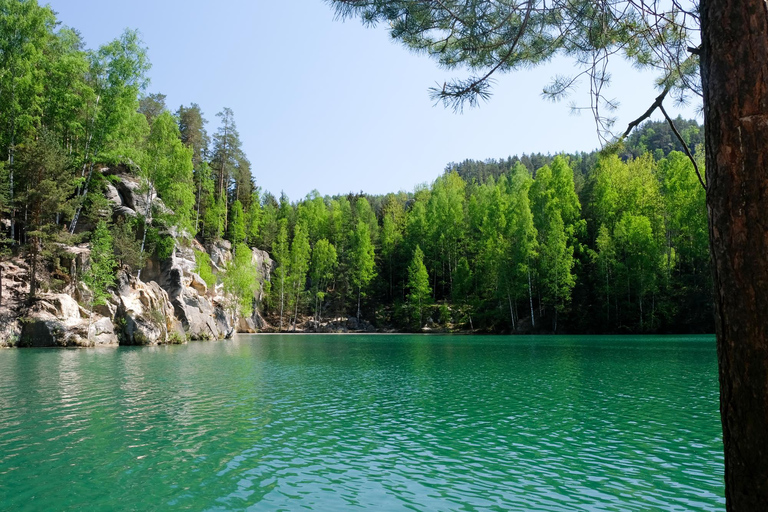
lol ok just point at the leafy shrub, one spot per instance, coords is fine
(203, 268)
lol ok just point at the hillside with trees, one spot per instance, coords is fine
(614, 241)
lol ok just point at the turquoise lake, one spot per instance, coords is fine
(370, 422)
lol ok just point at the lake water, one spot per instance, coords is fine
(379, 422)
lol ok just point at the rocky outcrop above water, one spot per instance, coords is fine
(144, 314)
(57, 320)
(199, 309)
(168, 303)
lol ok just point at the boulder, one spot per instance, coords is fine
(198, 284)
(119, 207)
(220, 253)
(102, 332)
(223, 323)
(51, 324)
(42, 329)
(65, 307)
(245, 325)
(131, 194)
(145, 315)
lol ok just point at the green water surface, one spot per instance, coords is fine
(376, 422)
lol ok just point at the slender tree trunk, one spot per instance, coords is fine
(197, 216)
(511, 310)
(10, 192)
(359, 292)
(734, 71)
(282, 300)
(296, 310)
(11, 151)
(554, 324)
(33, 271)
(147, 221)
(530, 298)
(73, 225)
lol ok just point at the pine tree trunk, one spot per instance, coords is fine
(734, 70)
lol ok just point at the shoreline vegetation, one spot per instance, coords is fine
(123, 222)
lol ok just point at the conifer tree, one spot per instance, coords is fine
(237, 221)
(48, 186)
(226, 152)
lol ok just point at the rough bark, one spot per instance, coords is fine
(734, 72)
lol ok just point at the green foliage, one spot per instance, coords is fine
(203, 268)
(241, 281)
(281, 255)
(322, 268)
(418, 286)
(100, 274)
(299, 266)
(490, 38)
(126, 245)
(167, 168)
(237, 220)
(622, 232)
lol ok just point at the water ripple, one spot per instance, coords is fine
(384, 423)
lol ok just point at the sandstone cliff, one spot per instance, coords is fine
(170, 303)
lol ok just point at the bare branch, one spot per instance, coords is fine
(685, 146)
(656, 104)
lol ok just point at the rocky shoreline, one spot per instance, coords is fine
(170, 304)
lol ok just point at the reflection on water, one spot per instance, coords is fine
(379, 422)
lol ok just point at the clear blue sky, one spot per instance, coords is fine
(333, 106)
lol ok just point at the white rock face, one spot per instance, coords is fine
(57, 320)
(145, 315)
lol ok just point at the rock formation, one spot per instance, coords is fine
(169, 304)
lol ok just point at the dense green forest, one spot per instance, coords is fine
(614, 241)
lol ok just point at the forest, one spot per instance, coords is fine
(600, 242)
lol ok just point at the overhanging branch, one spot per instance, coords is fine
(685, 146)
(656, 104)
